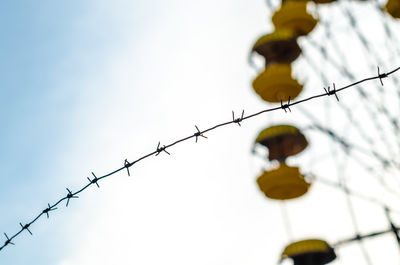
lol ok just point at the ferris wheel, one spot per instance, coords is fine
(313, 44)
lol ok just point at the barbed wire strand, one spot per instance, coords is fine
(199, 133)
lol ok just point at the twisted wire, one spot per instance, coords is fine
(163, 149)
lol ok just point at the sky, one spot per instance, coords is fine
(88, 84)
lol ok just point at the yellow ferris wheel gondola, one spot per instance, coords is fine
(393, 8)
(282, 141)
(279, 46)
(276, 84)
(283, 183)
(309, 252)
(293, 16)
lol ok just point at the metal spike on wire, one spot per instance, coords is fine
(161, 149)
(127, 165)
(198, 133)
(25, 227)
(330, 92)
(381, 76)
(48, 209)
(8, 241)
(94, 180)
(237, 120)
(286, 106)
(70, 195)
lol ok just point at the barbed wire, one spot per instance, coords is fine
(199, 133)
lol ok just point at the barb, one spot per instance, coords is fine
(286, 106)
(161, 149)
(127, 165)
(71, 195)
(94, 180)
(332, 92)
(198, 134)
(8, 241)
(238, 120)
(381, 76)
(49, 209)
(26, 227)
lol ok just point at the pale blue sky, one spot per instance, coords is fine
(86, 84)
(61, 90)
(48, 49)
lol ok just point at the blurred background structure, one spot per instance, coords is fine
(87, 85)
(357, 128)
